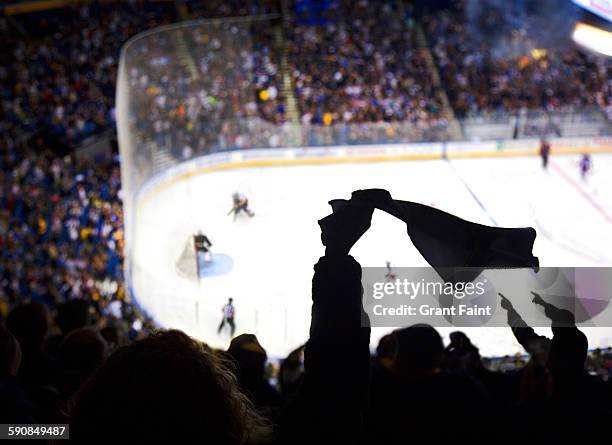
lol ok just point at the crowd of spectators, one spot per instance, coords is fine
(356, 62)
(231, 8)
(60, 67)
(490, 64)
(350, 62)
(190, 90)
(61, 222)
(61, 230)
(69, 365)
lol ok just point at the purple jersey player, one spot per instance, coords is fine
(585, 165)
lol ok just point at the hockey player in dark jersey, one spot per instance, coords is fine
(241, 204)
(202, 245)
(544, 152)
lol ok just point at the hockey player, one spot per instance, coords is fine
(585, 165)
(544, 152)
(203, 245)
(241, 204)
(228, 317)
(390, 276)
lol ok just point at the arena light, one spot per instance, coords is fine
(595, 39)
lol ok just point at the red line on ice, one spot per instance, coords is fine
(584, 194)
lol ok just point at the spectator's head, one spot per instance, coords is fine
(461, 353)
(419, 350)
(231, 300)
(166, 387)
(10, 353)
(81, 353)
(73, 314)
(292, 370)
(112, 336)
(28, 323)
(459, 340)
(387, 347)
(250, 357)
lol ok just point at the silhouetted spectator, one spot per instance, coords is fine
(10, 354)
(291, 373)
(250, 361)
(73, 314)
(332, 401)
(564, 356)
(113, 336)
(15, 406)
(28, 323)
(552, 403)
(166, 387)
(461, 353)
(461, 356)
(418, 389)
(81, 352)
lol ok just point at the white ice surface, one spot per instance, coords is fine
(273, 253)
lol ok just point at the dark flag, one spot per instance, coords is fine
(450, 244)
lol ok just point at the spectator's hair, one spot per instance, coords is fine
(166, 387)
(81, 353)
(419, 349)
(458, 337)
(10, 353)
(112, 336)
(249, 357)
(28, 323)
(73, 314)
(387, 347)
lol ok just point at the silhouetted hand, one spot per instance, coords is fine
(505, 303)
(559, 317)
(379, 198)
(348, 222)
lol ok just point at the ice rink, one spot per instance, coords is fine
(266, 262)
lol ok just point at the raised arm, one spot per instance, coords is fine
(568, 350)
(333, 398)
(523, 333)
